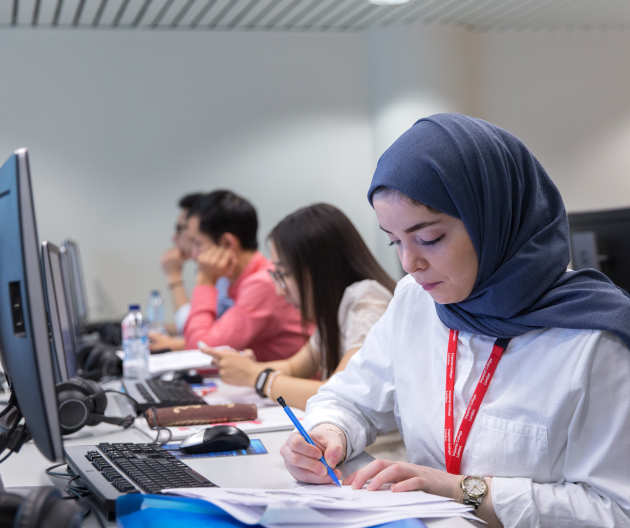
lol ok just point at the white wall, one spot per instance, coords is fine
(567, 95)
(416, 71)
(120, 124)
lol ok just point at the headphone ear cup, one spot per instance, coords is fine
(111, 364)
(9, 504)
(64, 513)
(30, 512)
(88, 361)
(92, 363)
(101, 361)
(98, 399)
(45, 507)
(78, 400)
(83, 354)
(83, 402)
(73, 408)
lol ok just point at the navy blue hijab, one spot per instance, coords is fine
(515, 217)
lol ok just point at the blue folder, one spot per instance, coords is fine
(165, 511)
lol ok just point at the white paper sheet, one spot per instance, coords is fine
(315, 506)
(179, 360)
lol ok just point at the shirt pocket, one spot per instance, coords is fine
(507, 448)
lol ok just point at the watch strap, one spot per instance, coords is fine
(475, 503)
(261, 380)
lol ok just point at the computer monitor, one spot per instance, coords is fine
(24, 343)
(77, 285)
(59, 313)
(66, 270)
(601, 239)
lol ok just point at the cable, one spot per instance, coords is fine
(13, 443)
(159, 429)
(133, 400)
(89, 509)
(51, 473)
(76, 492)
(8, 441)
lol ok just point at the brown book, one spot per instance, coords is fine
(200, 414)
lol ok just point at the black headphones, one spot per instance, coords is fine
(83, 402)
(109, 332)
(41, 507)
(98, 361)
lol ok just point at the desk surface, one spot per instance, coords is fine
(27, 468)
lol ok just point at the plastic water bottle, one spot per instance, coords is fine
(135, 345)
(155, 312)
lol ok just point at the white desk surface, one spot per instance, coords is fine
(26, 468)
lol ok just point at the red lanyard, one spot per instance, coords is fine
(453, 452)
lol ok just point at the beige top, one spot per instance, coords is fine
(361, 306)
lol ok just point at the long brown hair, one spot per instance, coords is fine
(325, 254)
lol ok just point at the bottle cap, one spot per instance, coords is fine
(134, 307)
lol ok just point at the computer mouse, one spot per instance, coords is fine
(217, 438)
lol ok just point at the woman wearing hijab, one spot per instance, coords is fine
(489, 332)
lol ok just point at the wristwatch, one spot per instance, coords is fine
(261, 379)
(475, 489)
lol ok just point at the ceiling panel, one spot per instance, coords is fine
(281, 15)
(85, 13)
(24, 13)
(64, 12)
(125, 13)
(314, 15)
(257, 10)
(45, 11)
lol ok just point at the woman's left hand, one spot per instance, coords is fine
(235, 367)
(405, 476)
(159, 341)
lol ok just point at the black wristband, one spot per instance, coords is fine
(261, 380)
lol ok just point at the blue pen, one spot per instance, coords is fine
(306, 437)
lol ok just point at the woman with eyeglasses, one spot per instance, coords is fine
(323, 267)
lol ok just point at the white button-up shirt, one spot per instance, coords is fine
(553, 429)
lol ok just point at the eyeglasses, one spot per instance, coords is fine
(279, 277)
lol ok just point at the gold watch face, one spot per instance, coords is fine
(474, 487)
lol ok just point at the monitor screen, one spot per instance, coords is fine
(72, 309)
(59, 312)
(601, 240)
(77, 287)
(24, 341)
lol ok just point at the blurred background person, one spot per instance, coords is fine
(223, 228)
(323, 266)
(172, 262)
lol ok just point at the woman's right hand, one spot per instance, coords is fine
(303, 459)
(235, 368)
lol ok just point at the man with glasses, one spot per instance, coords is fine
(172, 262)
(223, 231)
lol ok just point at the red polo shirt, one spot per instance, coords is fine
(260, 319)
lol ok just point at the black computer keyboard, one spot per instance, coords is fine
(130, 468)
(155, 392)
